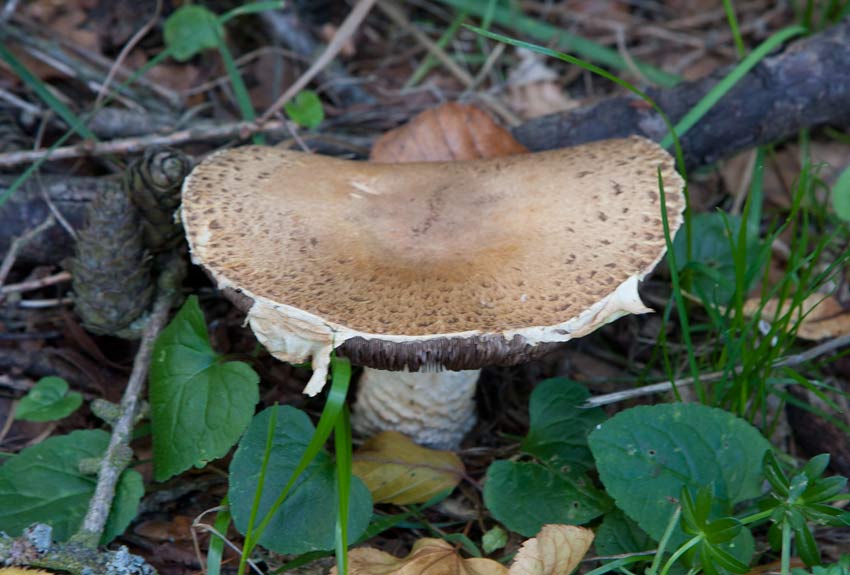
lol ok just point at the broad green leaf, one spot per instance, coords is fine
(559, 426)
(841, 195)
(646, 455)
(43, 484)
(305, 109)
(48, 400)
(712, 256)
(619, 535)
(396, 470)
(527, 496)
(306, 520)
(190, 30)
(200, 405)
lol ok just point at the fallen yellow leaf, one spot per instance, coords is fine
(556, 550)
(22, 571)
(398, 471)
(428, 556)
(824, 317)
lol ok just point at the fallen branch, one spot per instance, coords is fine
(118, 454)
(19, 243)
(241, 130)
(806, 85)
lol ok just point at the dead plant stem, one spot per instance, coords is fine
(116, 458)
(664, 386)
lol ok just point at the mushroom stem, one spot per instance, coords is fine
(434, 408)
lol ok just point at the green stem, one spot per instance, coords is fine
(785, 568)
(665, 539)
(681, 551)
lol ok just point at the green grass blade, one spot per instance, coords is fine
(40, 88)
(552, 35)
(243, 99)
(252, 8)
(340, 380)
(714, 95)
(430, 61)
(216, 549)
(342, 447)
(33, 168)
(733, 26)
(258, 492)
(677, 293)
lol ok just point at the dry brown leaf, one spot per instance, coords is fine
(431, 556)
(449, 132)
(825, 317)
(22, 571)
(177, 529)
(396, 470)
(556, 550)
(533, 87)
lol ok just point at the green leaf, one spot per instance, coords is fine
(841, 195)
(190, 30)
(305, 109)
(725, 559)
(200, 405)
(493, 539)
(48, 400)
(713, 257)
(44, 484)
(526, 496)
(646, 455)
(619, 535)
(128, 495)
(307, 518)
(559, 425)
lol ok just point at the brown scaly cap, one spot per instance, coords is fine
(461, 264)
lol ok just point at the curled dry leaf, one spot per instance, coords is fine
(398, 471)
(428, 556)
(534, 89)
(556, 550)
(823, 316)
(449, 132)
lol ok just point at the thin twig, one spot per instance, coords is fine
(115, 459)
(31, 285)
(57, 213)
(343, 34)
(19, 244)
(44, 303)
(664, 386)
(397, 16)
(134, 145)
(125, 51)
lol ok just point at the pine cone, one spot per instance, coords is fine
(112, 271)
(154, 183)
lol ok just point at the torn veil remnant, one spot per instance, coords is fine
(451, 264)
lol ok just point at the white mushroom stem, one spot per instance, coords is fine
(434, 408)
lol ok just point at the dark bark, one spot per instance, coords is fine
(806, 85)
(26, 208)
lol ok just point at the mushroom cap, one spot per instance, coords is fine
(459, 264)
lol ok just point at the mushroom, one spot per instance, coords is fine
(427, 267)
